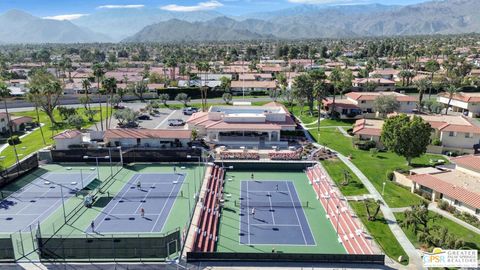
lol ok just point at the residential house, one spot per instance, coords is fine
(255, 126)
(65, 140)
(467, 104)
(376, 84)
(385, 73)
(153, 138)
(18, 123)
(454, 133)
(252, 86)
(460, 187)
(361, 104)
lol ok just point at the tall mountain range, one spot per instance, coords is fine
(300, 22)
(20, 27)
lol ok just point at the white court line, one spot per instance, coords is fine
(166, 119)
(277, 225)
(184, 181)
(295, 209)
(163, 208)
(248, 215)
(123, 193)
(269, 195)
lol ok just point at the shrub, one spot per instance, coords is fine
(390, 175)
(373, 152)
(14, 140)
(436, 142)
(365, 145)
(443, 205)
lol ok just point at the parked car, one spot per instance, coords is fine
(189, 110)
(144, 117)
(119, 107)
(176, 122)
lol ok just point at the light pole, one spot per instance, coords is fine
(196, 174)
(383, 189)
(121, 154)
(96, 159)
(338, 217)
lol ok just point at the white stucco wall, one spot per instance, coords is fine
(62, 144)
(459, 140)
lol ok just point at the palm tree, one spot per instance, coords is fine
(431, 66)
(4, 93)
(32, 97)
(422, 86)
(110, 87)
(86, 84)
(205, 67)
(99, 72)
(451, 90)
(335, 79)
(320, 91)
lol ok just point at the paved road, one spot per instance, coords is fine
(74, 104)
(412, 252)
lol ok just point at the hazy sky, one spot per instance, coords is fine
(69, 9)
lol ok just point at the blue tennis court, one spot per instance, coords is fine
(277, 217)
(39, 199)
(156, 195)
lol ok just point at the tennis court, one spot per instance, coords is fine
(156, 194)
(37, 200)
(271, 213)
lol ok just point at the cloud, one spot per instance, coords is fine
(65, 17)
(212, 4)
(119, 6)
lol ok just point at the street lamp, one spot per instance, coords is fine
(96, 159)
(194, 181)
(383, 189)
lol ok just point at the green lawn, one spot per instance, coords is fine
(375, 167)
(33, 141)
(336, 169)
(321, 228)
(472, 239)
(380, 231)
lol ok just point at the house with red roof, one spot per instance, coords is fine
(467, 104)
(18, 123)
(460, 187)
(455, 133)
(378, 84)
(67, 138)
(256, 126)
(362, 104)
(152, 138)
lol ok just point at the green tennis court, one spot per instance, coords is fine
(231, 234)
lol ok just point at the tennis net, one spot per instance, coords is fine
(149, 195)
(273, 204)
(19, 195)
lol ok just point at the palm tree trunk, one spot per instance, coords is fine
(100, 103)
(11, 134)
(40, 124)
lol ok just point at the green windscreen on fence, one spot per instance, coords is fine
(109, 247)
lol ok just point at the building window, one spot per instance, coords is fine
(456, 203)
(468, 135)
(451, 134)
(2, 120)
(477, 211)
(363, 101)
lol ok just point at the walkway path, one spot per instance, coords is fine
(413, 254)
(433, 207)
(400, 209)
(344, 132)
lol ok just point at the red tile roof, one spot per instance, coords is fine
(362, 127)
(375, 95)
(455, 192)
(459, 128)
(465, 97)
(68, 134)
(470, 162)
(132, 133)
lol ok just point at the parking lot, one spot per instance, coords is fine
(158, 121)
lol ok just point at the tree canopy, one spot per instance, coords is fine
(407, 137)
